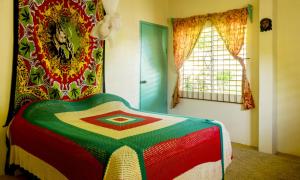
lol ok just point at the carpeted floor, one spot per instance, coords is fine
(249, 164)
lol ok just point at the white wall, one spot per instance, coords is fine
(6, 55)
(288, 77)
(267, 80)
(242, 125)
(122, 59)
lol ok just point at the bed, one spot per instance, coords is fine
(54, 135)
(103, 137)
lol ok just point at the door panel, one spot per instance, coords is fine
(153, 84)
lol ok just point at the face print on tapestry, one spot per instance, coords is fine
(57, 56)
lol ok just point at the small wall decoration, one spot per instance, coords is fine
(55, 55)
(265, 24)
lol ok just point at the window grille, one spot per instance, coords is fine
(211, 73)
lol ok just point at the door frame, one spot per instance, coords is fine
(167, 58)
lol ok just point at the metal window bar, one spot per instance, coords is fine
(211, 73)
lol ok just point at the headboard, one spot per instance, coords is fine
(55, 56)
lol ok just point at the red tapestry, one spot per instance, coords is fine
(57, 58)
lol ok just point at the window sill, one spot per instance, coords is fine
(226, 98)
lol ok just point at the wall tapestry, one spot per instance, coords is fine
(56, 57)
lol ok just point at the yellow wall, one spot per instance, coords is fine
(123, 57)
(123, 66)
(6, 52)
(288, 77)
(242, 125)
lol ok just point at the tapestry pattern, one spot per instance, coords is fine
(57, 56)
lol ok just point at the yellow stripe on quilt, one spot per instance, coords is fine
(74, 118)
(33, 164)
(123, 164)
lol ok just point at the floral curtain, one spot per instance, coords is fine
(185, 35)
(231, 26)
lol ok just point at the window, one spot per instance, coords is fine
(211, 73)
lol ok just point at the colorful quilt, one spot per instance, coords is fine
(55, 55)
(102, 137)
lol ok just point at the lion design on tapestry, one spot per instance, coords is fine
(60, 46)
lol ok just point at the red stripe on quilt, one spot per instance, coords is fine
(67, 157)
(169, 159)
(146, 120)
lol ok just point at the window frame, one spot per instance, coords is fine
(215, 96)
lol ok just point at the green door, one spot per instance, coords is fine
(153, 82)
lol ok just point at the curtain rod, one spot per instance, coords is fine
(249, 9)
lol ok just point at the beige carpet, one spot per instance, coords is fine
(248, 164)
